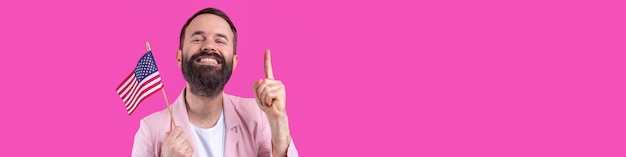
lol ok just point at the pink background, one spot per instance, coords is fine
(364, 78)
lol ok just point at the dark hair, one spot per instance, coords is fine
(213, 11)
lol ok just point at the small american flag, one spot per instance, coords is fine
(141, 83)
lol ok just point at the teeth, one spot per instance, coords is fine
(208, 60)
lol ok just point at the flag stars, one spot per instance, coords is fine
(145, 67)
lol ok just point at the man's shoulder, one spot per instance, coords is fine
(243, 104)
(237, 100)
(246, 107)
(157, 117)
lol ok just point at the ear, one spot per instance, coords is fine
(179, 57)
(235, 61)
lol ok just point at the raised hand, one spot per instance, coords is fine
(270, 93)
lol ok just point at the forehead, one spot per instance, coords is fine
(209, 23)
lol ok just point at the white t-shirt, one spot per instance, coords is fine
(210, 141)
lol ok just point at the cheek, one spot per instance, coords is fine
(190, 48)
(230, 57)
(186, 57)
(227, 52)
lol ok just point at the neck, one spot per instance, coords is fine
(204, 112)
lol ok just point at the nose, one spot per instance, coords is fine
(208, 47)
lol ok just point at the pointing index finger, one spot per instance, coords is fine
(268, 65)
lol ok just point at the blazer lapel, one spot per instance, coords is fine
(233, 131)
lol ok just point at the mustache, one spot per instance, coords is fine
(220, 58)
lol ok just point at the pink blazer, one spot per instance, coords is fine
(248, 132)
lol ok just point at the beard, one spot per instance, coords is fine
(206, 80)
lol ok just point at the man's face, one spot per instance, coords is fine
(207, 58)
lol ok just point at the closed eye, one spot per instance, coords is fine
(197, 39)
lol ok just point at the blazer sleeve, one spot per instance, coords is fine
(265, 149)
(143, 144)
(292, 151)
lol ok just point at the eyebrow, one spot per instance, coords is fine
(197, 33)
(222, 36)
